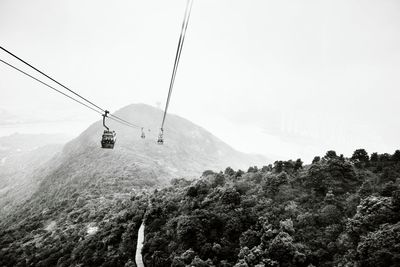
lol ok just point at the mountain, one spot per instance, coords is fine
(188, 151)
(83, 167)
(87, 196)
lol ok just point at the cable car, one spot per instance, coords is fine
(143, 136)
(109, 137)
(160, 139)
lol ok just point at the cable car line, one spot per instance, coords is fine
(51, 87)
(185, 24)
(127, 122)
(178, 55)
(55, 89)
(65, 87)
(108, 137)
(44, 74)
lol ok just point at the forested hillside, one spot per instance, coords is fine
(82, 228)
(334, 212)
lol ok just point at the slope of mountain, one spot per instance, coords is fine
(335, 212)
(187, 152)
(188, 148)
(22, 158)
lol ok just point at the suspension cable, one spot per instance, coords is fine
(185, 23)
(44, 74)
(66, 95)
(51, 87)
(116, 118)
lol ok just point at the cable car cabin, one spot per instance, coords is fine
(108, 139)
(143, 135)
(160, 140)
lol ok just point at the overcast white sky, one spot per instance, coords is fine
(284, 78)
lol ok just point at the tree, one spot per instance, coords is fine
(361, 155)
(219, 180)
(396, 156)
(298, 165)
(197, 262)
(288, 166)
(374, 157)
(316, 159)
(380, 248)
(330, 214)
(331, 154)
(239, 173)
(231, 197)
(253, 169)
(207, 172)
(229, 171)
(278, 166)
(329, 197)
(281, 248)
(187, 229)
(250, 239)
(287, 226)
(266, 168)
(384, 157)
(396, 199)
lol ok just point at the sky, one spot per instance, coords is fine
(287, 79)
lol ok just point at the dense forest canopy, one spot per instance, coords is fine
(337, 211)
